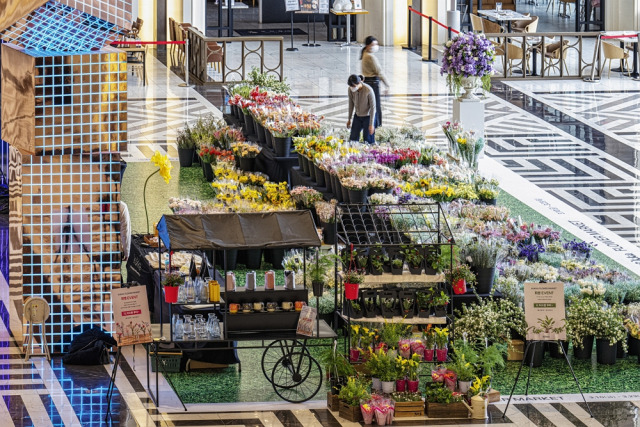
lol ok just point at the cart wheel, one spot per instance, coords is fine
(296, 377)
(275, 351)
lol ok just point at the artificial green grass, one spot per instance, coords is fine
(554, 377)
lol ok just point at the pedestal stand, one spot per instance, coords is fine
(470, 114)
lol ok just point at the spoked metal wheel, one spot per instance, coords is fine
(275, 351)
(296, 377)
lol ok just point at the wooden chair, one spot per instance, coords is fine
(565, 3)
(612, 52)
(525, 26)
(476, 23)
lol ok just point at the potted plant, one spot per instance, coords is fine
(246, 152)
(373, 366)
(463, 369)
(357, 188)
(352, 281)
(386, 263)
(474, 55)
(442, 339)
(318, 271)
(407, 303)
(609, 331)
(387, 373)
(186, 147)
(171, 284)
(390, 335)
(377, 264)
(459, 276)
(388, 303)
(412, 373)
(483, 255)
(400, 366)
(397, 265)
(414, 259)
(350, 396)
(369, 302)
(355, 309)
(583, 315)
(327, 212)
(429, 338)
(423, 300)
(439, 302)
(441, 402)
(337, 367)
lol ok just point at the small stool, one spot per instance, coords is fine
(36, 311)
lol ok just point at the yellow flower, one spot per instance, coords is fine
(164, 164)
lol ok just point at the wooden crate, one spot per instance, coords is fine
(350, 413)
(333, 402)
(516, 350)
(493, 396)
(409, 409)
(451, 410)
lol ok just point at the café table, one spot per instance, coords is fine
(501, 16)
(348, 14)
(635, 73)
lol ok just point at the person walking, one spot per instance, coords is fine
(372, 73)
(363, 101)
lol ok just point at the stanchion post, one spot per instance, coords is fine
(186, 65)
(408, 46)
(292, 49)
(430, 46)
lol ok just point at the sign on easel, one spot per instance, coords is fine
(131, 315)
(544, 311)
(291, 5)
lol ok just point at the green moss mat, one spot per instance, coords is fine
(554, 377)
(228, 385)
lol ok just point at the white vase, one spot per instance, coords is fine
(388, 387)
(469, 84)
(376, 384)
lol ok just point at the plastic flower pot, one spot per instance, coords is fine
(428, 355)
(354, 354)
(262, 138)
(585, 351)
(358, 196)
(269, 137)
(460, 287)
(415, 270)
(620, 353)
(186, 157)
(401, 385)
(412, 386)
(345, 194)
(463, 386)
(208, 171)
(441, 311)
(555, 351)
(535, 355)
(634, 346)
(319, 176)
(171, 294)
(282, 146)
(312, 171)
(329, 232)
(605, 352)
(248, 123)
(441, 354)
(328, 181)
(248, 164)
(351, 291)
(318, 288)
(376, 384)
(387, 386)
(484, 278)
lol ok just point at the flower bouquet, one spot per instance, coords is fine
(305, 197)
(468, 58)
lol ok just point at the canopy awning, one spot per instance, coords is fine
(287, 229)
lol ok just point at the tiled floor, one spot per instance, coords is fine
(568, 149)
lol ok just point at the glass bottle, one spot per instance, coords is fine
(189, 331)
(197, 285)
(204, 290)
(189, 290)
(178, 330)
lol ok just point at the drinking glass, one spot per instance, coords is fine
(498, 6)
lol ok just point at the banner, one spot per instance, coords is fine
(544, 311)
(131, 315)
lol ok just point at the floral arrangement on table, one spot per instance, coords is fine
(247, 150)
(468, 56)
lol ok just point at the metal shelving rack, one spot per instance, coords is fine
(391, 227)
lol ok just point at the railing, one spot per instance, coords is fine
(231, 58)
(562, 57)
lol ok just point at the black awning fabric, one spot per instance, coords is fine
(287, 229)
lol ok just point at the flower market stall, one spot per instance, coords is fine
(267, 315)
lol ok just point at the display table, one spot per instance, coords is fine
(507, 16)
(348, 15)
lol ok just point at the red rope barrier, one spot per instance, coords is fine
(141, 42)
(628, 36)
(434, 20)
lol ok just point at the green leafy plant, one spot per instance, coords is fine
(353, 391)
(440, 299)
(397, 263)
(406, 396)
(460, 271)
(423, 297)
(442, 337)
(173, 280)
(377, 263)
(413, 256)
(352, 276)
(320, 267)
(336, 364)
(438, 393)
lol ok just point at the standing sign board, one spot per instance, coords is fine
(131, 315)
(314, 6)
(291, 5)
(544, 311)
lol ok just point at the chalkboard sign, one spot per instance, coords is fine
(291, 5)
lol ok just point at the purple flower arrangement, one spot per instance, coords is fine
(468, 55)
(531, 252)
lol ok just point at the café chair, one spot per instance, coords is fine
(525, 26)
(564, 13)
(555, 56)
(612, 52)
(476, 23)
